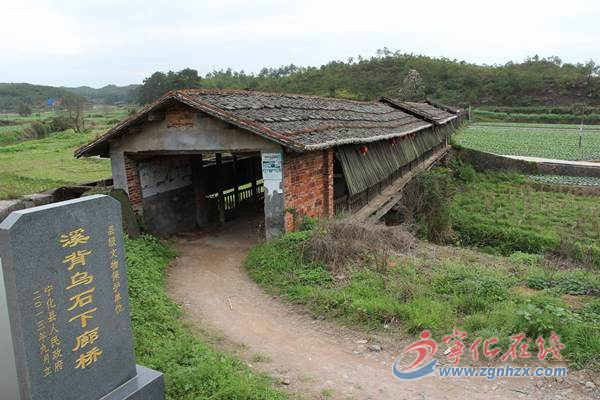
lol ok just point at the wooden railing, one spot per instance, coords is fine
(245, 196)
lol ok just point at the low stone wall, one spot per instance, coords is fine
(482, 161)
(34, 200)
(49, 196)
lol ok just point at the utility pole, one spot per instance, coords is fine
(581, 139)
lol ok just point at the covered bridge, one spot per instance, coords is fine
(196, 156)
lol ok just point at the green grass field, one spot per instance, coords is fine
(36, 165)
(531, 140)
(30, 166)
(506, 213)
(13, 127)
(513, 286)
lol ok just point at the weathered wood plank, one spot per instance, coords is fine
(390, 196)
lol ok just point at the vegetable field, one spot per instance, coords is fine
(567, 180)
(556, 141)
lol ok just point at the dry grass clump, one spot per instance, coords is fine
(340, 244)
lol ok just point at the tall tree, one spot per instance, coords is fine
(74, 107)
(412, 88)
(23, 110)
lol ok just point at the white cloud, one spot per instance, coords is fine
(35, 30)
(113, 41)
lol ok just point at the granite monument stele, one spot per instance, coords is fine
(65, 326)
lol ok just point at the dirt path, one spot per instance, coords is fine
(312, 357)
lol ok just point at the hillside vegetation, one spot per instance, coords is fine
(109, 94)
(13, 94)
(533, 82)
(36, 96)
(536, 81)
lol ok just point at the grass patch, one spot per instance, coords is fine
(12, 186)
(37, 165)
(30, 166)
(420, 292)
(505, 213)
(192, 369)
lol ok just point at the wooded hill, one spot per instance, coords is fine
(536, 81)
(36, 96)
(109, 94)
(533, 82)
(13, 94)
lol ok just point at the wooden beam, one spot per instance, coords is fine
(199, 184)
(221, 199)
(254, 185)
(236, 183)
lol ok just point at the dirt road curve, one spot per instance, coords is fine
(313, 357)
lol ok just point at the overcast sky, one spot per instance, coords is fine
(94, 43)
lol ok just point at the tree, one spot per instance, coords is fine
(74, 107)
(412, 88)
(160, 83)
(592, 70)
(23, 110)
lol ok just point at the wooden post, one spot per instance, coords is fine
(254, 185)
(236, 182)
(221, 199)
(198, 181)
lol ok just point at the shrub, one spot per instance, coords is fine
(464, 172)
(24, 110)
(542, 314)
(339, 244)
(37, 130)
(427, 201)
(60, 123)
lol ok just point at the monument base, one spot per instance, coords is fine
(147, 385)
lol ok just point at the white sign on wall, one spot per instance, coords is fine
(272, 168)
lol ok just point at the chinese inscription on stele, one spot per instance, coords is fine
(65, 279)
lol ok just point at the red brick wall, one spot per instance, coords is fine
(308, 185)
(134, 187)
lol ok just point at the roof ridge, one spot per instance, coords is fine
(330, 127)
(279, 94)
(393, 110)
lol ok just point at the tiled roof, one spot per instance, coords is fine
(299, 122)
(426, 111)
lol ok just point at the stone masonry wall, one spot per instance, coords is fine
(308, 186)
